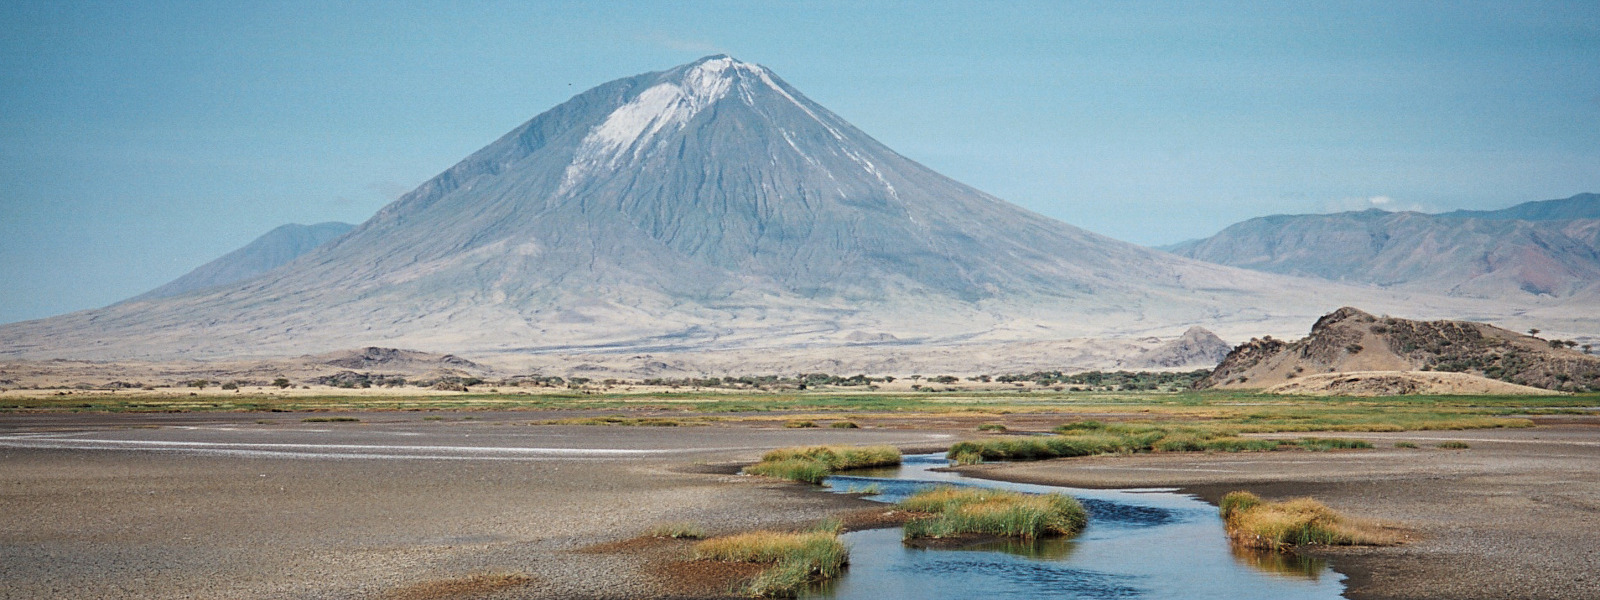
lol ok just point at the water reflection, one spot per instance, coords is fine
(1040, 549)
(1140, 544)
(1281, 563)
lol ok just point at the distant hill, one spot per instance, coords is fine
(1351, 341)
(270, 251)
(1581, 206)
(1549, 248)
(1198, 347)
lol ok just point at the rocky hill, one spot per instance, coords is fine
(1349, 341)
(1197, 347)
(1538, 249)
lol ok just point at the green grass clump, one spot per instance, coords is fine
(991, 427)
(800, 424)
(1405, 445)
(1454, 445)
(1256, 523)
(678, 531)
(1325, 444)
(329, 420)
(955, 511)
(844, 425)
(811, 464)
(794, 469)
(796, 559)
(1087, 438)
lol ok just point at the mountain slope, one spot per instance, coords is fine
(708, 206)
(1496, 257)
(270, 251)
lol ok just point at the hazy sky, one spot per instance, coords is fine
(141, 139)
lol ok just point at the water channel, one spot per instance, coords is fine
(1139, 544)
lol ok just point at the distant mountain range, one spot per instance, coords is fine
(708, 207)
(270, 251)
(1549, 248)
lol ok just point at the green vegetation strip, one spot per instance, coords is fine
(811, 464)
(1087, 438)
(797, 559)
(954, 511)
(1256, 523)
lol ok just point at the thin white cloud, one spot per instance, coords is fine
(1380, 202)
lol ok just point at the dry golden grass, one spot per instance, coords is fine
(797, 559)
(1256, 523)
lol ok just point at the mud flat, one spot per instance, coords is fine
(392, 506)
(1512, 516)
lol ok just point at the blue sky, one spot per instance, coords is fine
(141, 139)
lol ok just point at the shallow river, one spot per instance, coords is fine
(1139, 544)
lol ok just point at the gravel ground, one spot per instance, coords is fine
(1517, 515)
(220, 506)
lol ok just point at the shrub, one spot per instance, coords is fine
(844, 425)
(1256, 523)
(955, 511)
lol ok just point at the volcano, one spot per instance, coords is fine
(708, 206)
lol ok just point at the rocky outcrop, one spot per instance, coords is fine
(1349, 340)
(1197, 347)
(373, 357)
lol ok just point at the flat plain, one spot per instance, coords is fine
(547, 496)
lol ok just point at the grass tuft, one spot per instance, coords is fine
(811, 464)
(1454, 445)
(796, 559)
(678, 531)
(800, 424)
(1405, 445)
(1256, 523)
(991, 427)
(845, 425)
(329, 420)
(953, 511)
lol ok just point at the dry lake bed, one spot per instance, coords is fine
(488, 505)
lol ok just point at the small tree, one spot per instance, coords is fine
(1533, 331)
(1587, 347)
(281, 383)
